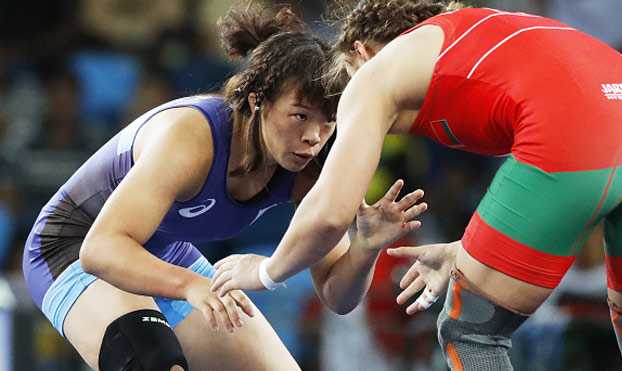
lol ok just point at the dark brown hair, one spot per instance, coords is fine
(378, 21)
(278, 49)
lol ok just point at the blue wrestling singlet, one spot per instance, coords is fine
(51, 266)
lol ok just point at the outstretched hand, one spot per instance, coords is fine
(216, 310)
(237, 271)
(431, 270)
(387, 220)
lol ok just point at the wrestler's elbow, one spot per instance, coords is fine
(333, 225)
(342, 308)
(91, 258)
(340, 305)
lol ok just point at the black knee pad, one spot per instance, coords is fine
(140, 341)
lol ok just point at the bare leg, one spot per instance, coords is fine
(254, 346)
(507, 291)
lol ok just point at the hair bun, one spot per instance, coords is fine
(247, 26)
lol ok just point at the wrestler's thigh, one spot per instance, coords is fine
(255, 346)
(528, 229)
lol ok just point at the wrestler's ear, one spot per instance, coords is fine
(252, 100)
(364, 50)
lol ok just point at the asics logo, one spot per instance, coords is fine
(612, 91)
(262, 211)
(194, 211)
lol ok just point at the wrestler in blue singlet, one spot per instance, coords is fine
(51, 258)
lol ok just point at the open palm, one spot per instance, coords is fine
(387, 220)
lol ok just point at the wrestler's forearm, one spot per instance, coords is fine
(313, 232)
(348, 280)
(125, 264)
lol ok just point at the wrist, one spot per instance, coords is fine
(188, 283)
(265, 278)
(365, 244)
(364, 249)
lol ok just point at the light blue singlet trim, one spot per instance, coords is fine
(64, 292)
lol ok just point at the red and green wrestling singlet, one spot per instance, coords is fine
(551, 96)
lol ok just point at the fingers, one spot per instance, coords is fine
(208, 313)
(410, 199)
(423, 302)
(222, 276)
(243, 302)
(415, 211)
(226, 288)
(395, 189)
(410, 252)
(225, 260)
(411, 274)
(226, 310)
(411, 226)
(410, 290)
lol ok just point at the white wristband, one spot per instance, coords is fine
(265, 278)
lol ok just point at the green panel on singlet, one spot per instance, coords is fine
(548, 211)
(613, 233)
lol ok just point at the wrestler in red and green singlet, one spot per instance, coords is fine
(495, 83)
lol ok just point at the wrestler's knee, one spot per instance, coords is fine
(140, 341)
(473, 331)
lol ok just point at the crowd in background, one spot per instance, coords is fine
(75, 72)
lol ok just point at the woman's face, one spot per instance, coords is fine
(294, 132)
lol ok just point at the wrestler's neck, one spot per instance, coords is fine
(245, 186)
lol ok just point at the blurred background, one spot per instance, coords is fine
(74, 72)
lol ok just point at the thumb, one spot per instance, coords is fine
(363, 205)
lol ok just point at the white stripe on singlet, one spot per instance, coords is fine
(511, 36)
(477, 24)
